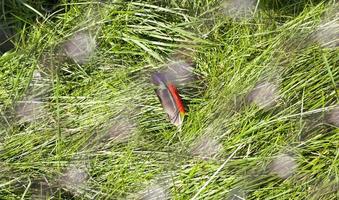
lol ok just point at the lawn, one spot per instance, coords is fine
(259, 82)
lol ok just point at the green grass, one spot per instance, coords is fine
(81, 103)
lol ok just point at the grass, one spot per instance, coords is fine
(68, 148)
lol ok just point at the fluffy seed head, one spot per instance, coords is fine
(236, 194)
(154, 192)
(179, 72)
(327, 34)
(50, 61)
(29, 111)
(74, 177)
(264, 95)
(32, 107)
(283, 166)
(332, 117)
(42, 190)
(239, 9)
(206, 147)
(121, 129)
(80, 47)
(157, 189)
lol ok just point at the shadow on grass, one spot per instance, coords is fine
(287, 7)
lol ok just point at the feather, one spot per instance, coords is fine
(179, 73)
(169, 98)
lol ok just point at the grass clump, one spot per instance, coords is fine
(261, 102)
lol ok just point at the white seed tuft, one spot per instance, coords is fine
(121, 129)
(74, 177)
(29, 111)
(42, 190)
(327, 34)
(80, 47)
(237, 194)
(283, 166)
(264, 95)
(179, 72)
(332, 117)
(206, 147)
(154, 192)
(157, 189)
(32, 107)
(239, 9)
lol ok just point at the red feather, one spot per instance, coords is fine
(169, 98)
(177, 99)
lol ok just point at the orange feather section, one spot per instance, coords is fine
(175, 94)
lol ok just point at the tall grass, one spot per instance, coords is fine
(101, 133)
